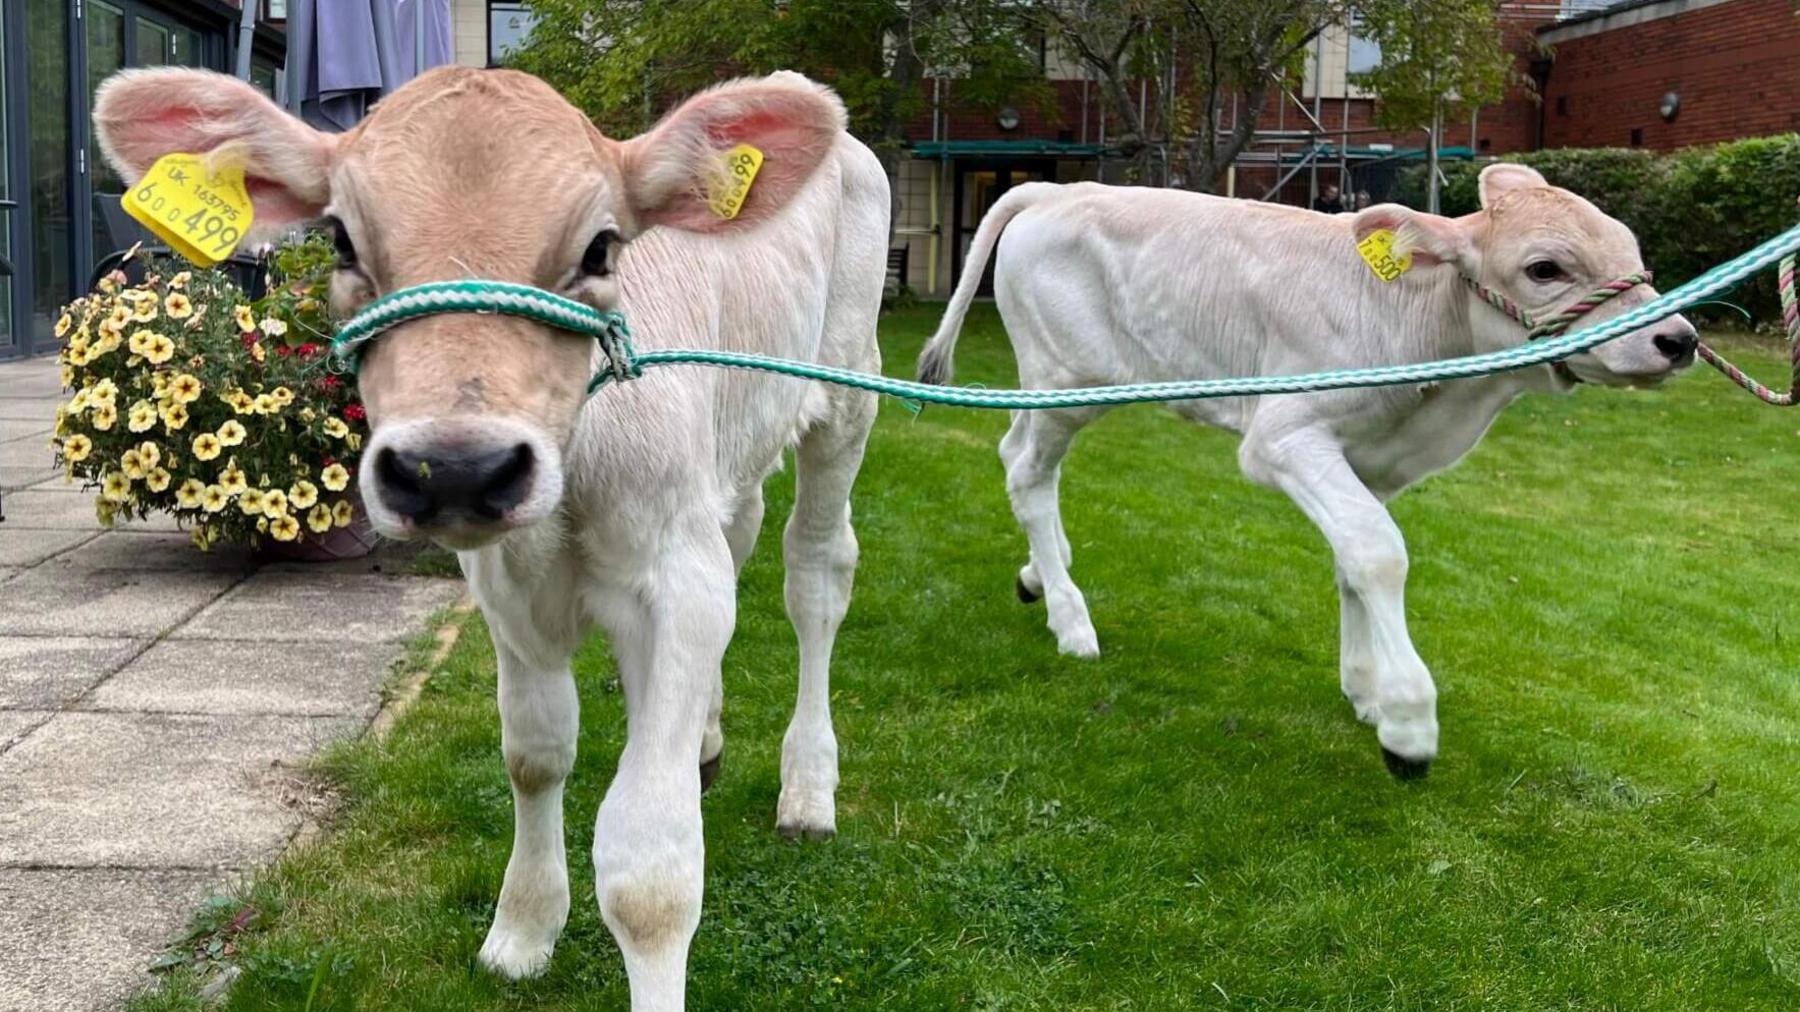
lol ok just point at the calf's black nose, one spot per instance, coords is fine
(483, 484)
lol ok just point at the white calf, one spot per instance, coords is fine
(631, 511)
(1102, 285)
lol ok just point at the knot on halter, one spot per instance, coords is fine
(1556, 323)
(492, 297)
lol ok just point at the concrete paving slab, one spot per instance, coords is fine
(28, 548)
(31, 384)
(232, 676)
(26, 428)
(156, 790)
(333, 607)
(8, 572)
(65, 509)
(79, 940)
(27, 453)
(144, 550)
(14, 724)
(25, 477)
(57, 601)
(30, 408)
(49, 672)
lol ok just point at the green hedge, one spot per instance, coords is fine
(1690, 209)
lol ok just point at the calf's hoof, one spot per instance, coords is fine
(513, 955)
(709, 771)
(1403, 768)
(1080, 642)
(806, 815)
(1026, 594)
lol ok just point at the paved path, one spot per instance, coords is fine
(153, 704)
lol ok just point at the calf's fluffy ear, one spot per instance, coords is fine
(668, 171)
(1501, 178)
(142, 115)
(1431, 239)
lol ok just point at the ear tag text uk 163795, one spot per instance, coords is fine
(201, 214)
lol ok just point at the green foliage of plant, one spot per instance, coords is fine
(1690, 209)
(1439, 58)
(189, 399)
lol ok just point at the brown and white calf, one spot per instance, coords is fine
(1101, 285)
(631, 511)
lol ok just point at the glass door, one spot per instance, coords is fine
(10, 343)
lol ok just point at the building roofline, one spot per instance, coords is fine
(1619, 15)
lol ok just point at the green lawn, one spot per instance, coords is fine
(1604, 591)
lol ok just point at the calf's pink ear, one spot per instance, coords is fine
(1431, 239)
(1501, 178)
(142, 115)
(668, 171)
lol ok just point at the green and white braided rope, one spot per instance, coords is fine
(609, 328)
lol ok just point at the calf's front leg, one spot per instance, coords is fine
(670, 628)
(1310, 467)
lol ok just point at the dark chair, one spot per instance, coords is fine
(897, 261)
(121, 232)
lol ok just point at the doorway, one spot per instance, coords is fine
(979, 183)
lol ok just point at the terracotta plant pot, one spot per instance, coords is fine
(335, 545)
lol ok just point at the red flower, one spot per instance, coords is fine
(354, 412)
(327, 461)
(282, 350)
(250, 339)
(330, 383)
(307, 350)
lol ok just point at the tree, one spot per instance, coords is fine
(624, 62)
(1438, 58)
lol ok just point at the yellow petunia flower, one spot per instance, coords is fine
(284, 528)
(105, 392)
(159, 350)
(246, 320)
(142, 417)
(150, 453)
(76, 448)
(140, 339)
(214, 499)
(342, 513)
(303, 494)
(273, 327)
(275, 503)
(63, 323)
(251, 502)
(201, 537)
(79, 403)
(77, 355)
(232, 432)
(115, 487)
(306, 414)
(354, 442)
(132, 464)
(185, 388)
(104, 512)
(180, 281)
(68, 375)
(206, 446)
(241, 402)
(318, 519)
(158, 480)
(174, 416)
(266, 405)
(190, 493)
(283, 396)
(256, 352)
(335, 478)
(232, 478)
(335, 428)
(117, 319)
(177, 306)
(104, 416)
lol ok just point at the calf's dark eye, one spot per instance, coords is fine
(340, 241)
(597, 259)
(1543, 270)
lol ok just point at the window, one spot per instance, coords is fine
(1365, 54)
(508, 25)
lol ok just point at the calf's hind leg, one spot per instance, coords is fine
(1032, 451)
(819, 549)
(1371, 560)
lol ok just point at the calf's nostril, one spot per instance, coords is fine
(507, 481)
(399, 482)
(1676, 346)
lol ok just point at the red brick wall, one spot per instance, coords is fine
(1736, 67)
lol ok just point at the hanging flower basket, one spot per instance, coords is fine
(189, 399)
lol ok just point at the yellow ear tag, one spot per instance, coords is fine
(729, 191)
(1378, 252)
(201, 215)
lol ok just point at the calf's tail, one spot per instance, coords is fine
(935, 364)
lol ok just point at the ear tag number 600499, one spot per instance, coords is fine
(202, 215)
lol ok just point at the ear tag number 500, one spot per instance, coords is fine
(201, 215)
